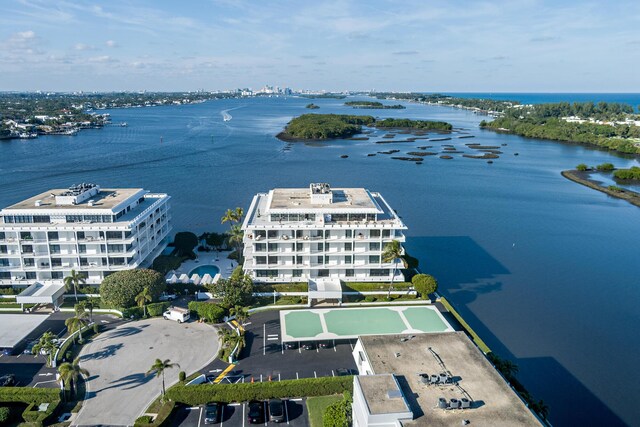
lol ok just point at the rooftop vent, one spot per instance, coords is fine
(321, 193)
(90, 202)
(77, 194)
(38, 203)
(394, 394)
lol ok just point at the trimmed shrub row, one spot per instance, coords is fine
(205, 310)
(29, 394)
(241, 392)
(373, 286)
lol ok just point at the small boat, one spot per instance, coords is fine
(124, 124)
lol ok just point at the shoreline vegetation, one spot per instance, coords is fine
(583, 177)
(610, 126)
(373, 105)
(312, 106)
(318, 127)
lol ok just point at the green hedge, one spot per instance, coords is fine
(373, 286)
(29, 394)
(282, 287)
(5, 413)
(241, 392)
(157, 308)
(208, 311)
(162, 417)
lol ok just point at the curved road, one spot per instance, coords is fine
(118, 389)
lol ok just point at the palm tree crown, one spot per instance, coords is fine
(158, 368)
(70, 372)
(77, 322)
(142, 298)
(72, 281)
(393, 252)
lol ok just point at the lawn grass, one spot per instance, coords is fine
(317, 405)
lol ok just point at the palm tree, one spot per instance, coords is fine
(142, 298)
(241, 313)
(46, 344)
(235, 235)
(393, 253)
(234, 215)
(89, 304)
(158, 369)
(70, 372)
(73, 281)
(76, 323)
(508, 368)
(541, 408)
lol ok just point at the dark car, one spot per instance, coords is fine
(256, 412)
(276, 410)
(309, 346)
(8, 380)
(343, 372)
(212, 413)
(324, 344)
(292, 345)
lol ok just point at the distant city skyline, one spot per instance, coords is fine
(442, 46)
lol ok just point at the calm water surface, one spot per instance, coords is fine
(544, 269)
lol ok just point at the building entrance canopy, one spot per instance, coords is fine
(39, 293)
(320, 289)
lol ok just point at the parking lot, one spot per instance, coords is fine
(235, 415)
(266, 357)
(31, 370)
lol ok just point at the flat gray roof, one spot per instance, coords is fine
(495, 403)
(107, 198)
(376, 390)
(300, 199)
(15, 327)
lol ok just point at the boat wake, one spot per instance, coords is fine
(226, 116)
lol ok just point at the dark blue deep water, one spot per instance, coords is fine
(544, 269)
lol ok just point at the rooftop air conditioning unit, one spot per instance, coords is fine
(38, 203)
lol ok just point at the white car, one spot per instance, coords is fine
(167, 297)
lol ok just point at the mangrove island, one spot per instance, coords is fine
(373, 105)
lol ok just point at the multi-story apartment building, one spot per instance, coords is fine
(299, 234)
(93, 230)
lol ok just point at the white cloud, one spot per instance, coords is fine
(82, 46)
(111, 43)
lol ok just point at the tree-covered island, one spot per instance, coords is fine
(331, 126)
(373, 105)
(312, 106)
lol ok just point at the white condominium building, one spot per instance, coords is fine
(93, 230)
(300, 234)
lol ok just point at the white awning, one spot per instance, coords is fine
(325, 289)
(41, 294)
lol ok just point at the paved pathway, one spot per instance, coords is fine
(118, 391)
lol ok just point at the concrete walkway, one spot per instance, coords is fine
(118, 391)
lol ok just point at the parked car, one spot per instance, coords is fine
(167, 297)
(291, 345)
(256, 412)
(8, 380)
(309, 346)
(7, 351)
(276, 410)
(343, 372)
(212, 412)
(29, 348)
(324, 344)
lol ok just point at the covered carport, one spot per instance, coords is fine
(325, 289)
(14, 328)
(39, 293)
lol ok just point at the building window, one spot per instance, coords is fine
(80, 235)
(348, 246)
(29, 262)
(27, 249)
(323, 273)
(52, 235)
(386, 233)
(348, 259)
(296, 273)
(379, 272)
(327, 234)
(261, 260)
(54, 249)
(326, 259)
(115, 248)
(4, 262)
(260, 247)
(273, 260)
(25, 235)
(272, 234)
(319, 259)
(2, 236)
(348, 234)
(31, 275)
(299, 247)
(56, 274)
(398, 233)
(117, 234)
(3, 249)
(298, 259)
(374, 246)
(273, 247)
(349, 272)
(374, 233)
(5, 274)
(374, 259)
(266, 273)
(320, 246)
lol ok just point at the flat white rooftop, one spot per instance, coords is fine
(107, 198)
(15, 327)
(299, 199)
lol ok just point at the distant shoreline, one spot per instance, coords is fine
(583, 178)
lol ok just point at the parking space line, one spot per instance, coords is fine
(286, 411)
(297, 377)
(260, 377)
(282, 348)
(351, 345)
(333, 374)
(266, 417)
(278, 376)
(264, 339)
(200, 417)
(222, 415)
(243, 405)
(314, 374)
(334, 346)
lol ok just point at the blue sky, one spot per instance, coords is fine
(517, 45)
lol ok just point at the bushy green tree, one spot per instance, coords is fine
(4, 414)
(209, 311)
(605, 167)
(236, 290)
(338, 414)
(120, 289)
(582, 167)
(425, 284)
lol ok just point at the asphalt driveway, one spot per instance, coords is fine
(118, 391)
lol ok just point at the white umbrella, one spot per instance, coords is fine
(184, 278)
(195, 279)
(206, 279)
(173, 278)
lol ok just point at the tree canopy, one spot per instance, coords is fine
(237, 290)
(119, 289)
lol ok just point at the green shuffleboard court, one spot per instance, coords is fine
(344, 323)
